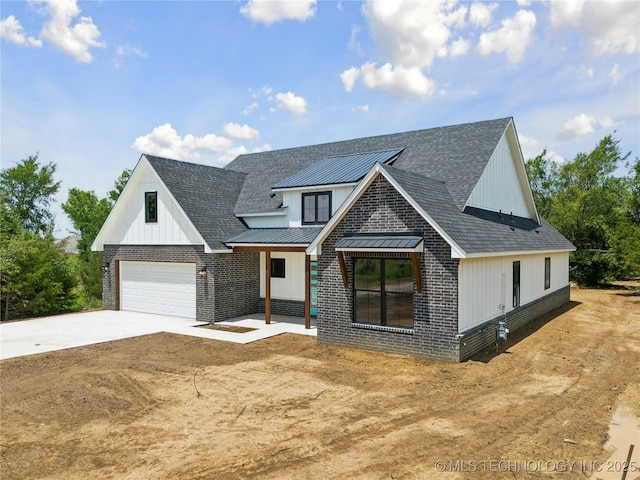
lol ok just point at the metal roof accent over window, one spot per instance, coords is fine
(338, 169)
(275, 236)
(382, 243)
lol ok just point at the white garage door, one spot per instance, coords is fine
(158, 287)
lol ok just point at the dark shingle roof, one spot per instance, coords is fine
(207, 195)
(337, 169)
(303, 236)
(456, 155)
(475, 232)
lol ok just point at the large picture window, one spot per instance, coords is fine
(383, 291)
(151, 207)
(316, 208)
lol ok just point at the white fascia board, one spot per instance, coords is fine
(283, 212)
(456, 250)
(522, 170)
(98, 243)
(314, 187)
(513, 253)
(315, 247)
(378, 169)
(116, 208)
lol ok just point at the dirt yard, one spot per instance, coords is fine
(175, 407)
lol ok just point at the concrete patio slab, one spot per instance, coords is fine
(59, 332)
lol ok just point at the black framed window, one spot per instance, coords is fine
(277, 268)
(547, 273)
(316, 208)
(516, 284)
(383, 291)
(150, 207)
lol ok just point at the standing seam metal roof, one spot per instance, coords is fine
(338, 169)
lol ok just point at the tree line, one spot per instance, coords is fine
(596, 209)
(36, 276)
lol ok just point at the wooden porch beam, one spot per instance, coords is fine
(343, 269)
(416, 271)
(307, 291)
(267, 293)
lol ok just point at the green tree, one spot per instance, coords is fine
(589, 205)
(27, 190)
(87, 213)
(35, 277)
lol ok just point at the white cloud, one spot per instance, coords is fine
(76, 39)
(523, 3)
(123, 51)
(410, 33)
(250, 108)
(353, 39)
(609, 27)
(165, 141)
(513, 38)
(398, 80)
(12, 31)
(614, 74)
(361, 108)
(233, 152)
(608, 122)
(578, 126)
(291, 103)
(270, 11)
(532, 147)
(480, 13)
(349, 78)
(240, 132)
(459, 47)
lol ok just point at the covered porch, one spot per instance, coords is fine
(286, 270)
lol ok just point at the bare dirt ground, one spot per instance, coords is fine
(175, 407)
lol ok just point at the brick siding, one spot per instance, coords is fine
(294, 308)
(381, 209)
(484, 335)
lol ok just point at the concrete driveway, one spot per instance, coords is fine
(39, 335)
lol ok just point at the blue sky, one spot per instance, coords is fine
(91, 85)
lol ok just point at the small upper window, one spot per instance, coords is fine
(277, 268)
(151, 207)
(547, 273)
(316, 208)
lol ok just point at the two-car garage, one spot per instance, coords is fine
(158, 287)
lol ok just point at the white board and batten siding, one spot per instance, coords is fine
(172, 227)
(158, 287)
(293, 199)
(292, 286)
(292, 203)
(486, 283)
(503, 184)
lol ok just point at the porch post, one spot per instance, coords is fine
(307, 291)
(267, 293)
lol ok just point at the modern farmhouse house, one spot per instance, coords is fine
(414, 243)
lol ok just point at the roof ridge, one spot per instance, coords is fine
(369, 137)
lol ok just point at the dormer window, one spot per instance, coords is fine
(316, 208)
(151, 207)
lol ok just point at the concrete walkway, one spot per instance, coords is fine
(47, 334)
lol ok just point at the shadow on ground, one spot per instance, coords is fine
(485, 356)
